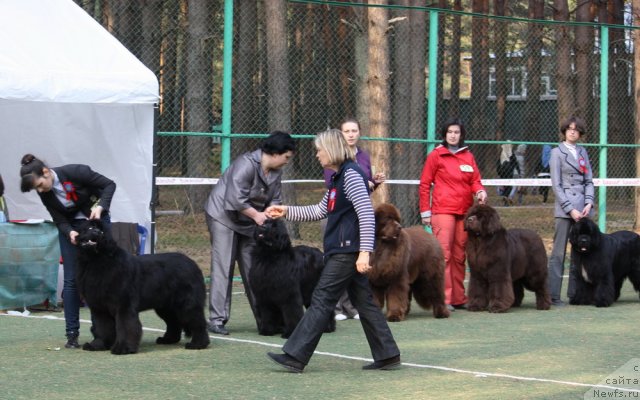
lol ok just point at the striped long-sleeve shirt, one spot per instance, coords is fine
(357, 193)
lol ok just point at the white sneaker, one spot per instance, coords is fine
(357, 316)
(340, 317)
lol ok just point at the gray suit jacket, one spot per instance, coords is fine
(243, 185)
(571, 180)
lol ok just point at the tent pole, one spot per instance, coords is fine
(154, 186)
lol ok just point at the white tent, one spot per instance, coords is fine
(71, 93)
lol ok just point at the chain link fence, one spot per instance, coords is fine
(401, 70)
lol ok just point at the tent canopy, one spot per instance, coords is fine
(71, 93)
(54, 51)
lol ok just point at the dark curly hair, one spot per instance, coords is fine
(278, 143)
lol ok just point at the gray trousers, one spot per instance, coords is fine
(227, 248)
(556, 260)
(345, 307)
(339, 274)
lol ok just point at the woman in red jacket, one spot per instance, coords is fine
(450, 179)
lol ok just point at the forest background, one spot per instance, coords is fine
(511, 70)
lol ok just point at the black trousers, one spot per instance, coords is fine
(339, 274)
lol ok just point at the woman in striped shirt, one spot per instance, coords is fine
(348, 243)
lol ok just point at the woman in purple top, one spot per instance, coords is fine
(351, 132)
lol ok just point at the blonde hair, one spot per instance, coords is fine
(335, 145)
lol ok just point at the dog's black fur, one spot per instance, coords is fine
(602, 262)
(117, 286)
(282, 279)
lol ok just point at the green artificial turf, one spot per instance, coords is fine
(523, 354)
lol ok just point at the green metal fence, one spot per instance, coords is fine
(230, 72)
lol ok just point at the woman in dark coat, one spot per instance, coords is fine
(348, 243)
(71, 193)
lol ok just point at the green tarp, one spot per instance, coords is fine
(29, 259)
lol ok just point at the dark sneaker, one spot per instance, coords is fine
(219, 329)
(386, 364)
(72, 341)
(286, 361)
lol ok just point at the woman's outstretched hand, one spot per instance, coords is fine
(276, 211)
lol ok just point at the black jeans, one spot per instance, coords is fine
(339, 274)
(70, 295)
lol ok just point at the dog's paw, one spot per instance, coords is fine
(196, 346)
(497, 309)
(441, 312)
(395, 318)
(166, 340)
(123, 348)
(95, 345)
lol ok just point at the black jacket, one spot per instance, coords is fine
(88, 186)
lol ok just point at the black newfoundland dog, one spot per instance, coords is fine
(602, 262)
(282, 279)
(117, 286)
(503, 263)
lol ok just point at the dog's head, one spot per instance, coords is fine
(273, 233)
(90, 234)
(388, 222)
(482, 220)
(585, 236)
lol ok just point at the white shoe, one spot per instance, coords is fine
(357, 316)
(340, 317)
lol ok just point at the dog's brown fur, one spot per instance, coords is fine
(503, 263)
(405, 262)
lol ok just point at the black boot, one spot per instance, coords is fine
(72, 341)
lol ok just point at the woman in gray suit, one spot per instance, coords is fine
(235, 206)
(572, 183)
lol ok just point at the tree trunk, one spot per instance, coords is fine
(151, 11)
(345, 63)
(534, 72)
(584, 41)
(402, 51)
(279, 115)
(124, 24)
(245, 119)
(415, 155)
(500, 45)
(198, 96)
(456, 30)
(619, 61)
(279, 103)
(361, 57)
(401, 105)
(564, 82)
(378, 83)
(480, 79)
(636, 91)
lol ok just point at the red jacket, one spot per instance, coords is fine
(455, 178)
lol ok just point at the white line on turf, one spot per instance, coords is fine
(476, 374)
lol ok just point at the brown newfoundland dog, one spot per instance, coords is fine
(405, 262)
(503, 263)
